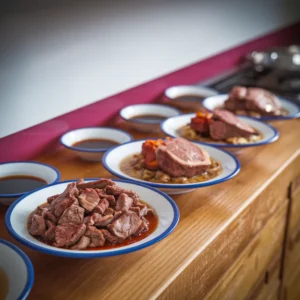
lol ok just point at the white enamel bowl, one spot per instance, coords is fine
(18, 270)
(293, 109)
(36, 169)
(171, 126)
(147, 109)
(77, 135)
(17, 215)
(174, 93)
(113, 158)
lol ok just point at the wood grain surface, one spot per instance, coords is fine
(217, 224)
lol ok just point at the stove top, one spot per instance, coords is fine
(274, 81)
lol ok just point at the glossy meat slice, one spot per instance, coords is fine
(82, 244)
(73, 214)
(99, 184)
(124, 202)
(101, 207)
(50, 232)
(68, 234)
(96, 236)
(88, 199)
(37, 225)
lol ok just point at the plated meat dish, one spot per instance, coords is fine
(222, 125)
(171, 161)
(255, 102)
(89, 215)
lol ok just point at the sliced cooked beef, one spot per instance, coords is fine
(101, 207)
(88, 199)
(225, 124)
(143, 227)
(99, 220)
(142, 209)
(68, 234)
(109, 211)
(99, 184)
(82, 244)
(110, 198)
(49, 235)
(117, 190)
(179, 157)
(126, 225)
(96, 236)
(50, 216)
(253, 99)
(110, 238)
(73, 214)
(64, 200)
(124, 202)
(52, 198)
(37, 225)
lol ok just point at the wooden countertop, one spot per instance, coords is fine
(206, 214)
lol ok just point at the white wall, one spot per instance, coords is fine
(56, 58)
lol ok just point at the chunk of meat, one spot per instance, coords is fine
(49, 235)
(110, 198)
(109, 211)
(101, 207)
(99, 184)
(88, 199)
(179, 157)
(82, 244)
(64, 200)
(225, 125)
(96, 236)
(110, 238)
(117, 190)
(52, 198)
(200, 123)
(73, 214)
(68, 234)
(124, 202)
(104, 220)
(126, 225)
(37, 225)
(142, 228)
(50, 216)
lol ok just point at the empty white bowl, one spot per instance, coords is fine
(293, 109)
(44, 171)
(18, 270)
(147, 109)
(113, 158)
(165, 209)
(77, 135)
(193, 95)
(171, 126)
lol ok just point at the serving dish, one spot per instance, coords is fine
(17, 215)
(130, 112)
(270, 134)
(293, 110)
(113, 158)
(46, 172)
(18, 270)
(89, 133)
(188, 96)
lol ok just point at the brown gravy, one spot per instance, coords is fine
(94, 144)
(3, 285)
(147, 118)
(133, 166)
(20, 184)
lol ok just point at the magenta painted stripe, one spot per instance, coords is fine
(43, 138)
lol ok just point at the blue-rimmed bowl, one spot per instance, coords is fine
(128, 112)
(270, 134)
(74, 136)
(18, 270)
(293, 109)
(17, 215)
(44, 171)
(113, 158)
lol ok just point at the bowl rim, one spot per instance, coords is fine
(121, 113)
(174, 186)
(263, 118)
(272, 139)
(100, 150)
(201, 88)
(56, 252)
(29, 268)
(29, 162)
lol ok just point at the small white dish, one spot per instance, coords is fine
(17, 215)
(81, 134)
(193, 95)
(128, 112)
(171, 126)
(18, 270)
(44, 171)
(113, 158)
(293, 109)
